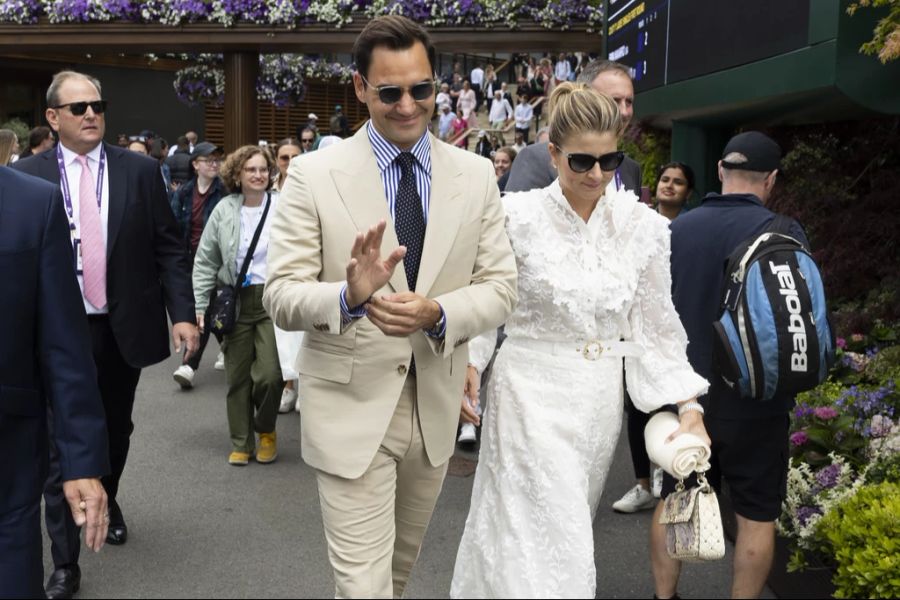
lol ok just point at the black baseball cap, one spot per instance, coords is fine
(205, 149)
(762, 152)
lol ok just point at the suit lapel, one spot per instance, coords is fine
(444, 215)
(359, 185)
(118, 194)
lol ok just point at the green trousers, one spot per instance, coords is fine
(252, 371)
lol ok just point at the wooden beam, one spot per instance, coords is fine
(241, 70)
(46, 37)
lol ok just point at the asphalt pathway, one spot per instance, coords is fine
(200, 528)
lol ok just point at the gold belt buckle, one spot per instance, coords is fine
(592, 350)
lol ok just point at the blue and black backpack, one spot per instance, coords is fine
(773, 338)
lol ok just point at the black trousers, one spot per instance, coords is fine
(194, 361)
(637, 422)
(117, 381)
(21, 565)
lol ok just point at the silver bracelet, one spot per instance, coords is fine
(693, 405)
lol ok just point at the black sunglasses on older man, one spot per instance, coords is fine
(391, 94)
(79, 108)
(582, 163)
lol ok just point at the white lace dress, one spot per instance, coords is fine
(553, 419)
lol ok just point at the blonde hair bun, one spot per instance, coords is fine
(577, 108)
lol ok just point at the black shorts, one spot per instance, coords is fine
(752, 456)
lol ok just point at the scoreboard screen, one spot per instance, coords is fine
(666, 41)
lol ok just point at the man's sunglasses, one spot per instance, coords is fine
(582, 163)
(79, 108)
(391, 94)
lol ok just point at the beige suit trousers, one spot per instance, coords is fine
(374, 524)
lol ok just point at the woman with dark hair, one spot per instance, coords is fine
(139, 144)
(251, 356)
(285, 150)
(674, 184)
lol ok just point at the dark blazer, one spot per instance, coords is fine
(532, 169)
(45, 351)
(144, 249)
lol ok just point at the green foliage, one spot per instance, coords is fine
(825, 394)
(651, 148)
(886, 468)
(886, 40)
(20, 128)
(885, 365)
(864, 535)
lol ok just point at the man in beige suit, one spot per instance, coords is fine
(389, 249)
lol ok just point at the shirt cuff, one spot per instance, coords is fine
(440, 328)
(349, 314)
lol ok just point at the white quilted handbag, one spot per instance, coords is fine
(693, 523)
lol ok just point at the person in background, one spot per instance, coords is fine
(159, 149)
(179, 162)
(251, 354)
(192, 205)
(484, 147)
(468, 102)
(122, 140)
(139, 144)
(459, 126)
(543, 136)
(501, 112)
(489, 85)
(445, 122)
(39, 139)
(523, 115)
(476, 80)
(563, 69)
(443, 96)
(307, 140)
(520, 144)
(288, 342)
(338, 123)
(674, 184)
(503, 160)
(9, 142)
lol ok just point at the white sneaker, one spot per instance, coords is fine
(656, 482)
(220, 362)
(184, 376)
(634, 500)
(288, 401)
(466, 434)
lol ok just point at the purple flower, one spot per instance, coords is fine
(826, 413)
(798, 438)
(827, 477)
(805, 513)
(841, 343)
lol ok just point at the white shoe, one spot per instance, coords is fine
(656, 482)
(288, 401)
(634, 500)
(184, 376)
(220, 362)
(466, 434)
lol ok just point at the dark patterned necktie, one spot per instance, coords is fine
(409, 221)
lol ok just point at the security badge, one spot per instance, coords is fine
(76, 248)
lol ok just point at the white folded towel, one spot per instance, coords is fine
(680, 457)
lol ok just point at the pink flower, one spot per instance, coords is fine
(857, 337)
(826, 413)
(841, 343)
(799, 438)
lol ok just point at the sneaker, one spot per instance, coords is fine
(220, 362)
(634, 500)
(288, 400)
(467, 435)
(184, 376)
(656, 482)
(239, 459)
(268, 451)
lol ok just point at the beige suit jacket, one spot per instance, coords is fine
(352, 376)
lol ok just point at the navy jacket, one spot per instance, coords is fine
(702, 241)
(143, 250)
(183, 203)
(45, 349)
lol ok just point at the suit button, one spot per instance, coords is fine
(402, 369)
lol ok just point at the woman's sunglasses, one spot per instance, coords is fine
(582, 163)
(391, 94)
(79, 108)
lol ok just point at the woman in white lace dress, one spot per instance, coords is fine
(593, 270)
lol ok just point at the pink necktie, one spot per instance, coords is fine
(93, 249)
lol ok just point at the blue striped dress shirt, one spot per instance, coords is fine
(386, 155)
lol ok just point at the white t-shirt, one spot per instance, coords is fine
(524, 114)
(250, 216)
(477, 76)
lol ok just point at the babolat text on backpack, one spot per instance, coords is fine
(773, 338)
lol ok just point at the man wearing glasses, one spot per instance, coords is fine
(192, 205)
(131, 267)
(389, 250)
(307, 140)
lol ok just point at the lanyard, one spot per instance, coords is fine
(64, 181)
(618, 180)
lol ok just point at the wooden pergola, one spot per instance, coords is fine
(242, 44)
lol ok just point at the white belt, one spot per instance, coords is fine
(589, 350)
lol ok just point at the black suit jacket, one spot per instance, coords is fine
(532, 169)
(45, 352)
(147, 266)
